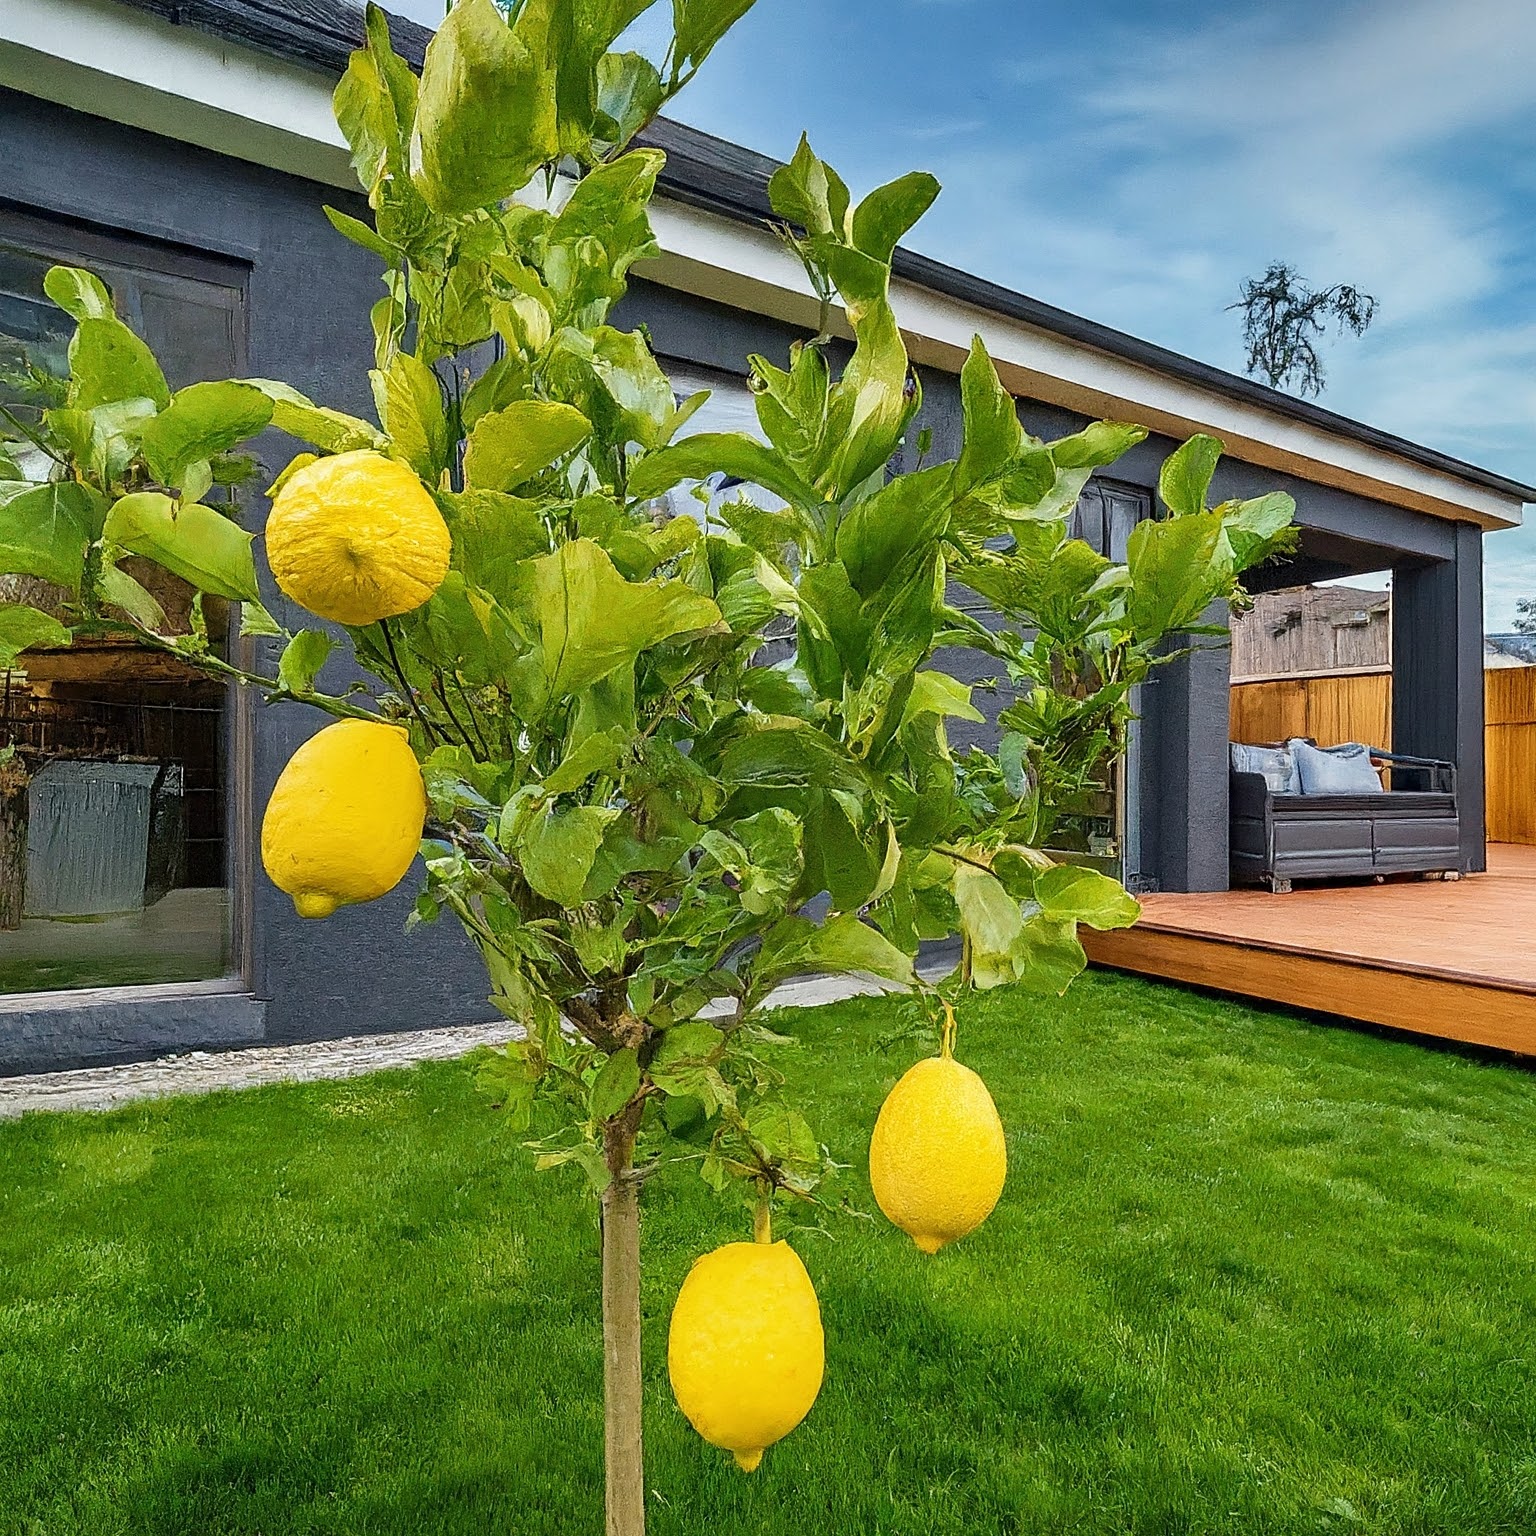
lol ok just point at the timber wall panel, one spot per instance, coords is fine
(1358, 707)
(1330, 709)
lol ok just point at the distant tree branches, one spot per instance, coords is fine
(1525, 616)
(1283, 320)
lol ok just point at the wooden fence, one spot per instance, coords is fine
(1357, 706)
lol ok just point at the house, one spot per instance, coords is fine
(185, 149)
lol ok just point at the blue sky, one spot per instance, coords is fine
(1134, 160)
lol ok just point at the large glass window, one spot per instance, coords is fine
(114, 808)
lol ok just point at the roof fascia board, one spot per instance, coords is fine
(246, 100)
(748, 268)
(111, 61)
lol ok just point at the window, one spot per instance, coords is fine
(114, 803)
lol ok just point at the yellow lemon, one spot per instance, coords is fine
(746, 1351)
(937, 1160)
(356, 537)
(345, 819)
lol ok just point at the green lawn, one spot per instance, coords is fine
(1248, 1275)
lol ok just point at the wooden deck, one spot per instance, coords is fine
(1456, 959)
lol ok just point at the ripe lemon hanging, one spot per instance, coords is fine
(345, 818)
(746, 1351)
(938, 1159)
(356, 537)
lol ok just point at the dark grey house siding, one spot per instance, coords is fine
(308, 293)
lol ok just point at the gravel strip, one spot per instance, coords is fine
(99, 1088)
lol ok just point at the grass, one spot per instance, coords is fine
(1249, 1275)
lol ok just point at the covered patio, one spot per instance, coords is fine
(1453, 960)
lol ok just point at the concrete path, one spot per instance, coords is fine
(97, 1088)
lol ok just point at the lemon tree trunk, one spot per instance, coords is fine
(624, 1461)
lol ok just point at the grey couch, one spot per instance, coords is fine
(1412, 828)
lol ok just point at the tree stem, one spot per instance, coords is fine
(624, 1461)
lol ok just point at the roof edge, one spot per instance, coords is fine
(731, 181)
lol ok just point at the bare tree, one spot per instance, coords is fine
(1284, 318)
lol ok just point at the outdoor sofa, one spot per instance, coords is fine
(1281, 832)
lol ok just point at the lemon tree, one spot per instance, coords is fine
(642, 819)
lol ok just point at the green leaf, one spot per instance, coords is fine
(785, 1136)
(596, 753)
(771, 840)
(937, 693)
(1185, 478)
(587, 621)
(788, 754)
(900, 521)
(1071, 893)
(298, 416)
(413, 415)
(510, 446)
(629, 93)
(838, 860)
(362, 234)
(9, 469)
(192, 541)
(869, 407)
(795, 946)
(808, 192)
(303, 658)
(610, 206)
(201, 421)
(1178, 567)
(615, 1085)
(255, 620)
(102, 441)
(22, 627)
(78, 293)
(993, 437)
(727, 453)
(486, 116)
(890, 211)
(1099, 443)
(1051, 958)
(700, 24)
(1027, 503)
(493, 533)
(375, 106)
(556, 850)
(992, 923)
(44, 530)
(1256, 529)
(644, 407)
(120, 590)
(107, 363)
(684, 1064)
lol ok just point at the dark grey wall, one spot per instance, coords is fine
(309, 294)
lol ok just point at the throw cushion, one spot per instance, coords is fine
(1275, 763)
(1344, 770)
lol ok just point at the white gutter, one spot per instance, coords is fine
(119, 63)
(749, 269)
